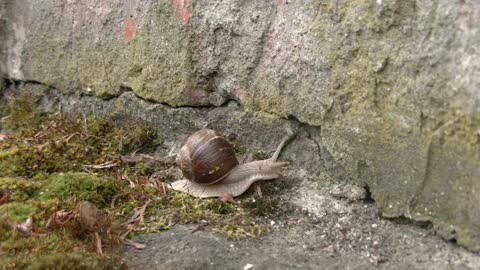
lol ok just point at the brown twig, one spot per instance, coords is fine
(67, 138)
(131, 183)
(115, 197)
(137, 217)
(159, 186)
(133, 158)
(98, 243)
(133, 243)
(41, 133)
(106, 165)
(258, 189)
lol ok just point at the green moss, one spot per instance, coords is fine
(52, 251)
(7, 152)
(63, 144)
(78, 186)
(140, 137)
(20, 113)
(267, 98)
(260, 155)
(50, 157)
(17, 211)
(20, 189)
(233, 221)
(69, 261)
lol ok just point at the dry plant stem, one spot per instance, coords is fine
(98, 243)
(258, 189)
(133, 244)
(239, 179)
(106, 165)
(115, 198)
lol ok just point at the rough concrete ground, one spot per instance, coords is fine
(336, 229)
(322, 220)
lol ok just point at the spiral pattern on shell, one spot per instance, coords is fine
(206, 157)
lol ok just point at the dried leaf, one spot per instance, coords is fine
(117, 232)
(291, 221)
(4, 196)
(3, 137)
(25, 227)
(137, 217)
(60, 217)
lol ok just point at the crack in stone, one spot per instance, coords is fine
(412, 203)
(317, 144)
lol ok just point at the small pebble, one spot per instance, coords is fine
(248, 266)
(374, 225)
(272, 222)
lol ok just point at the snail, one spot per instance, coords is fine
(208, 162)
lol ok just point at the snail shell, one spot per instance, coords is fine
(206, 157)
(211, 169)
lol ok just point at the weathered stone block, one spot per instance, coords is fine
(394, 85)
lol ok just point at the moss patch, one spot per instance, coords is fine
(17, 188)
(21, 114)
(17, 211)
(62, 145)
(78, 186)
(51, 251)
(63, 161)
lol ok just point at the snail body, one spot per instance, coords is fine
(211, 169)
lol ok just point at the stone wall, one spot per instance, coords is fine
(393, 85)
